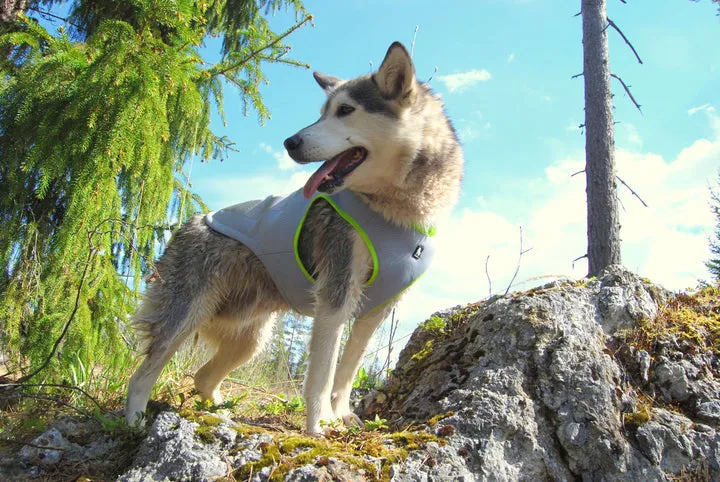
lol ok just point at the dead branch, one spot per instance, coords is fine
(627, 90)
(393, 329)
(433, 75)
(578, 259)
(20, 443)
(54, 385)
(578, 75)
(617, 29)
(631, 190)
(517, 268)
(576, 173)
(412, 45)
(50, 399)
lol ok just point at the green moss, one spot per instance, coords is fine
(290, 451)
(638, 418)
(206, 433)
(426, 350)
(432, 421)
(687, 316)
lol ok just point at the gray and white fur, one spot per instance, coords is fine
(211, 284)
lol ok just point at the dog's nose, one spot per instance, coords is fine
(292, 143)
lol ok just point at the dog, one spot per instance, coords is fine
(386, 147)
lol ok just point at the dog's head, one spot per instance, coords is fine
(364, 127)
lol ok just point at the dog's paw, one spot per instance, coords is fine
(352, 420)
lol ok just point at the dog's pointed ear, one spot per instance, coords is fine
(396, 75)
(326, 82)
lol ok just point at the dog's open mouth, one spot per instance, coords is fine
(333, 172)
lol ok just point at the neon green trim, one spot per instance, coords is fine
(397, 294)
(352, 222)
(431, 231)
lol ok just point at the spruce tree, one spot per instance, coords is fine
(98, 123)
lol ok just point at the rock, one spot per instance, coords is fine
(541, 385)
(536, 394)
(53, 448)
(172, 451)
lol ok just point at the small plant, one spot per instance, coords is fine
(434, 324)
(363, 381)
(376, 424)
(282, 405)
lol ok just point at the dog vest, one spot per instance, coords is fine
(271, 229)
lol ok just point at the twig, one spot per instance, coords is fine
(487, 273)
(576, 173)
(48, 398)
(412, 45)
(258, 50)
(617, 29)
(433, 75)
(578, 75)
(51, 15)
(627, 89)
(517, 268)
(631, 190)
(54, 385)
(26, 444)
(578, 259)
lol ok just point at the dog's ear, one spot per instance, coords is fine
(326, 82)
(396, 75)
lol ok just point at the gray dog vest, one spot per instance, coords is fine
(271, 228)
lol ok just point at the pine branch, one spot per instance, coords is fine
(257, 51)
(90, 255)
(627, 90)
(617, 29)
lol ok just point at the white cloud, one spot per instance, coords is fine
(228, 190)
(704, 107)
(284, 161)
(462, 81)
(511, 58)
(667, 241)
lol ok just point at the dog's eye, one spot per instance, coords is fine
(344, 110)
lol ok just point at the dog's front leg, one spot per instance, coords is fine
(323, 354)
(342, 274)
(362, 331)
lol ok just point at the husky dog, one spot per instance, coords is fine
(385, 140)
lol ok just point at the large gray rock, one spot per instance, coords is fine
(539, 385)
(535, 391)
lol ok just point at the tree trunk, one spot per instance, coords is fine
(603, 225)
(9, 8)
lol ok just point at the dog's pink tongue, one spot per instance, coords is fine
(317, 178)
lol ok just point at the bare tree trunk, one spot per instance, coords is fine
(8, 9)
(603, 225)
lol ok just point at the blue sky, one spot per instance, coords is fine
(504, 70)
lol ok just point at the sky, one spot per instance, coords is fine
(504, 69)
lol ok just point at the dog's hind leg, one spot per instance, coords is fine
(234, 347)
(362, 331)
(167, 321)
